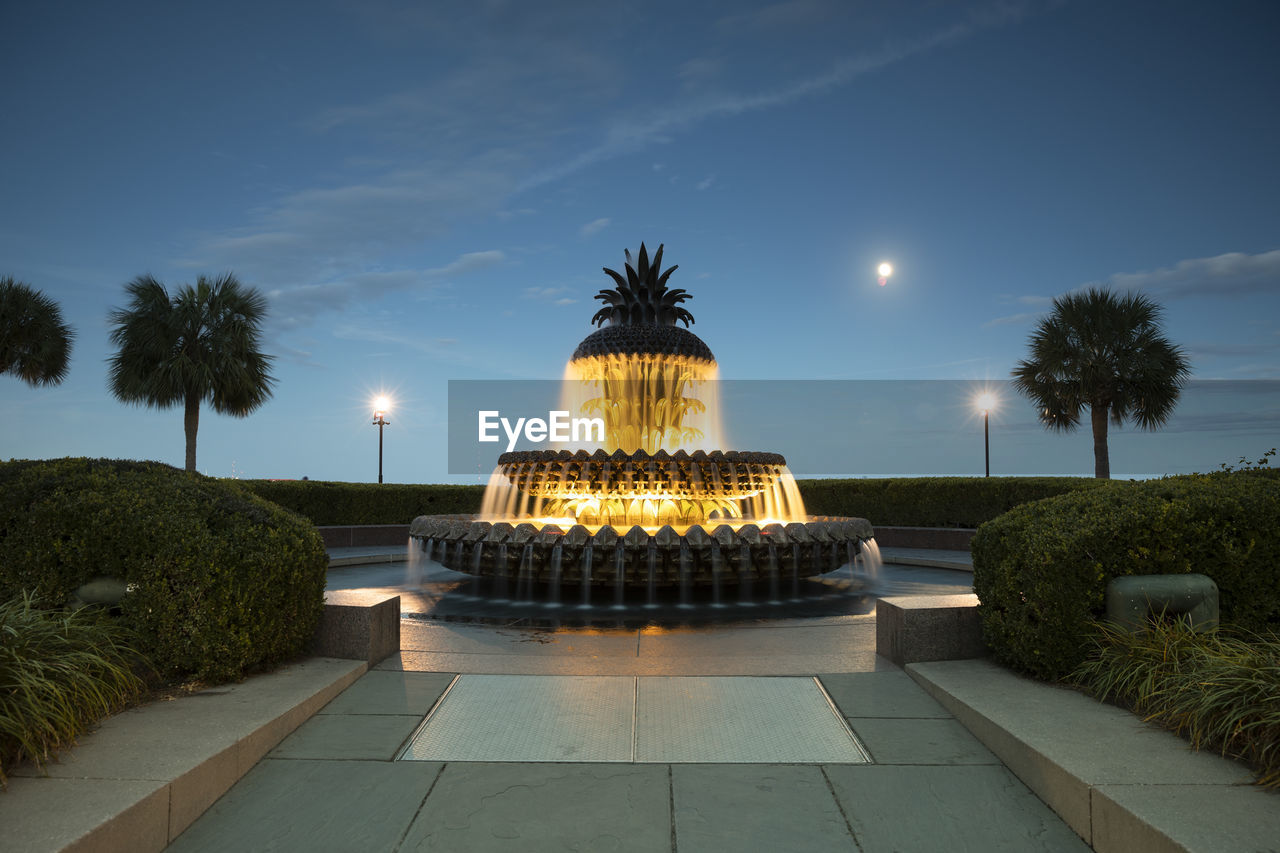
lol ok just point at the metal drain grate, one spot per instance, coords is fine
(530, 718)
(741, 720)
(626, 719)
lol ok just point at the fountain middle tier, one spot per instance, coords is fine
(639, 488)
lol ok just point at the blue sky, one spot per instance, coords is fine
(428, 191)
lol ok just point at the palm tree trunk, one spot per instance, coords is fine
(1101, 457)
(191, 423)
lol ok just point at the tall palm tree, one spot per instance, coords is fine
(1106, 352)
(35, 345)
(201, 345)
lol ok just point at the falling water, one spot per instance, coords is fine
(715, 574)
(619, 578)
(413, 564)
(553, 592)
(524, 580)
(744, 574)
(653, 565)
(871, 559)
(685, 559)
(586, 575)
(773, 573)
(500, 572)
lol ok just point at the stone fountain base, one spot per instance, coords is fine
(723, 556)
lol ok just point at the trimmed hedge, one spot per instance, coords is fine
(220, 581)
(328, 503)
(1041, 570)
(932, 501)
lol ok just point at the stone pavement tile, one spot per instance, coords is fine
(890, 693)
(317, 806)
(946, 809)
(749, 807)
(780, 640)
(391, 693)
(349, 736)
(920, 741)
(450, 638)
(73, 814)
(546, 807)
(710, 663)
(1173, 817)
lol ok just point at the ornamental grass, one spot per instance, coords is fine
(60, 672)
(1219, 689)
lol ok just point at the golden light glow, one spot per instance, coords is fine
(986, 401)
(648, 403)
(381, 405)
(885, 270)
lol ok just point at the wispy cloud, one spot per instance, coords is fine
(635, 132)
(594, 227)
(1232, 274)
(549, 294)
(705, 183)
(1235, 274)
(298, 306)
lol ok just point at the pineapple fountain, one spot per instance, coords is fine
(651, 508)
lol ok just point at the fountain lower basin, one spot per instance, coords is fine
(730, 554)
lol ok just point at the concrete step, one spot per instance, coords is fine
(1123, 785)
(147, 773)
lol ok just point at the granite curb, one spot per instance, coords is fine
(1123, 785)
(144, 775)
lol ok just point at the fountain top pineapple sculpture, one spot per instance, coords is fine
(660, 483)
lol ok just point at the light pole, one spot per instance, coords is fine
(380, 407)
(986, 402)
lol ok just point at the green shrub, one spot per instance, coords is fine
(366, 503)
(220, 582)
(1041, 570)
(60, 671)
(932, 501)
(1220, 691)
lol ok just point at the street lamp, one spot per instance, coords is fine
(985, 402)
(380, 407)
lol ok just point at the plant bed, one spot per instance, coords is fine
(1219, 689)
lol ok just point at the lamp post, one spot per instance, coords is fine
(380, 407)
(986, 402)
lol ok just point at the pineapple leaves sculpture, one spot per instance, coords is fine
(642, 297)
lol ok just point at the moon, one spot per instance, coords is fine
(885, 270)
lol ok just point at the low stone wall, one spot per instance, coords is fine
(360, 535)
(945, 538)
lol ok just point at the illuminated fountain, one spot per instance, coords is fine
(650, 507)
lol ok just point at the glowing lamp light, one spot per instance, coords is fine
(381, 405)
(884, 270)
(985, 402)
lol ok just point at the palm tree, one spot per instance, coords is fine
(1106, 352)
(35, 345)
(201, 345)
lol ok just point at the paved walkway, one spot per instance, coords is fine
(335, 784)
(776, 734)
